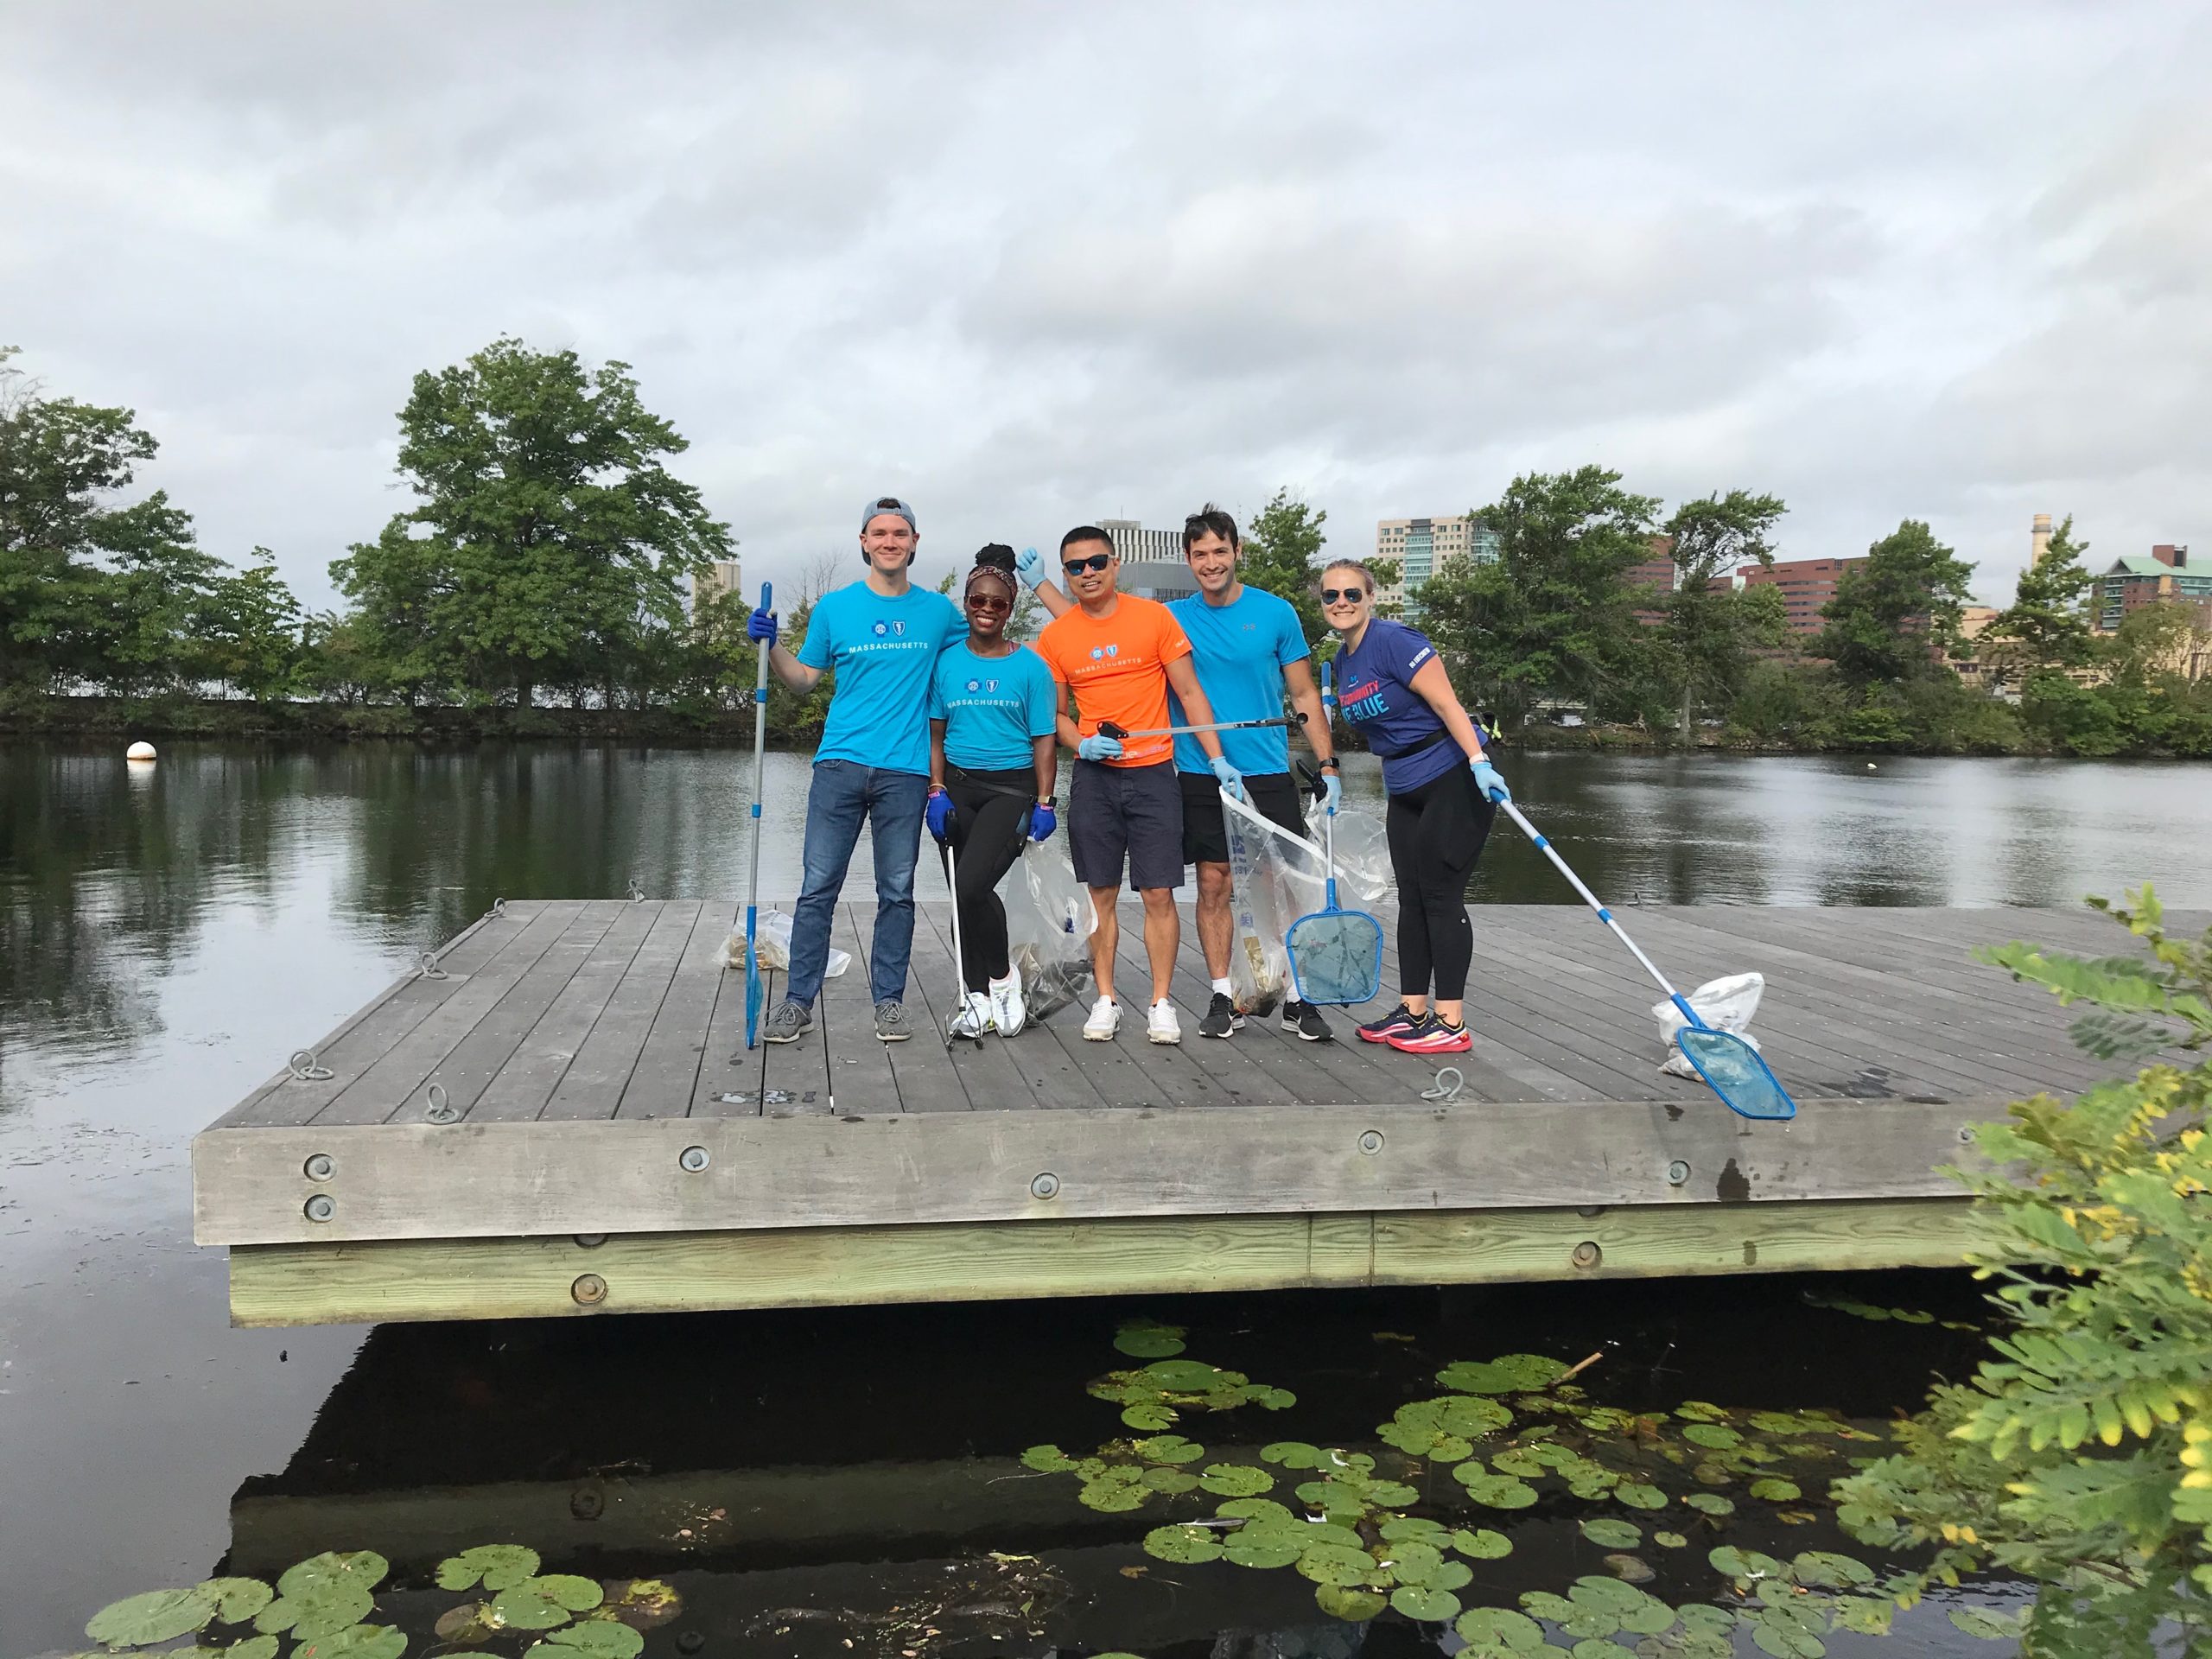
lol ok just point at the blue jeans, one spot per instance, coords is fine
(844, 793)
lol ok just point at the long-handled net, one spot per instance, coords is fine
(1336, 956)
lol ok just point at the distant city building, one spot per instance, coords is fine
(1656, 574)
(1422, 547)
(2161, 577)
(722, 576)
(1962, 659)
(1137, 545)
(1807, 587)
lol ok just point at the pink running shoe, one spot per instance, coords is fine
(1381, 1031)
(1432, 1036)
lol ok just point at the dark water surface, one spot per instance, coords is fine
(167, 935)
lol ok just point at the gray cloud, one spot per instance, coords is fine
(1029, 265)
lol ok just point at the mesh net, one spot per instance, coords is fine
(1335, 958)
(1735, 1072)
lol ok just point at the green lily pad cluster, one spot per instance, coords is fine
(320, 1603)
(1128, 1474)
(1149, 1339)
(1884, 1315)
(1154, 1396)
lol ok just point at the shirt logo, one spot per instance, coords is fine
(897, 627)
(989, 685)
(977, 685)
(881, 628)
(1098, 651)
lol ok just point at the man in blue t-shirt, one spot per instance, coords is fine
(881, 635)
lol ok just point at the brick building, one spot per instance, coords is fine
(1807, 587)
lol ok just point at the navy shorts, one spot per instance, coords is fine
(1205, 830)
(1132, 812)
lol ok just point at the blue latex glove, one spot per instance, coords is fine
(939, 815)
(1332, 791)
(1100, 748)
(760, 627)
(1487, 780)
(1231, 779)
(1029, 565)
(1042, 822)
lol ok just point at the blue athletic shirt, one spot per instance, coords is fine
(992, 707)
(1375, 687)
(884, 651)
(1239, 651)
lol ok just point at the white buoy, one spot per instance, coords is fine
(1869, 765)
(141, 750)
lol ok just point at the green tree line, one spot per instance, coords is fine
(545, 557)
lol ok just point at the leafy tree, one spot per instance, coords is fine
(338, 662)
(2155, 642)
(2047, 626)
(2080, 1455)
(247, 631)
(1283, 555)
(1554, 615)
(1891, 612)
(1711, 628)
(548, 538)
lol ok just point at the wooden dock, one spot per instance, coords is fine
(562, 1120)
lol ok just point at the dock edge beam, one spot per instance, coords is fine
(407, 1280)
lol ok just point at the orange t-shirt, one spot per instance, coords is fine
(1118, 666)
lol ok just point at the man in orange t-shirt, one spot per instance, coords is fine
(1118, 655)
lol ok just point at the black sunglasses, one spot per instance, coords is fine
(1349, 596)
(1096, 561)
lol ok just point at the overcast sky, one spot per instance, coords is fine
(1033, 265)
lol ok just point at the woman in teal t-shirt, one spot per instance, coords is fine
(995, 760)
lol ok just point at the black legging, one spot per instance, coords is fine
(990, 817)
(1437, 833)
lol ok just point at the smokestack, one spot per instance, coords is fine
(2039, 539)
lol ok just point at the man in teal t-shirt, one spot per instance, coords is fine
(881, 635)
(1248, 649)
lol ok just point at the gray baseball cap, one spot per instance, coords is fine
(884, 504)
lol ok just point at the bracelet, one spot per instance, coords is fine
(1330, 765)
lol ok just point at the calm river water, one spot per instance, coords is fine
(819, 1483)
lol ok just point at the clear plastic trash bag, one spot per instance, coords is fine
(1723, 1004)
(772, 939)
(1363, 852)
(1048, 923)
(1274, 878)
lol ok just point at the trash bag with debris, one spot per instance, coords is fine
(1362, 851)
(1048, 923)
(1274, 878)
(773, 939)
(1723, 1004)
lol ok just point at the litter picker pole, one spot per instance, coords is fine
(1108, 729)
(959, 957)
(753, 878)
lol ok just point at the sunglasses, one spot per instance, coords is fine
(988, 602)
(1349, 596)
(1096, 561)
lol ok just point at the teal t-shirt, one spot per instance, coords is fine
(1239, 651)
(884, 651)
(992, 707)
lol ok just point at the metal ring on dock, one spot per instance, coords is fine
(498, 907)
(637, 893)
(305, 1068)
(1441, 1090)
(430, 966)
(440, 1109)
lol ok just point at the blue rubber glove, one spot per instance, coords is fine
(1029, 565)
(1332, 791)
(938, 814)
(760, 628)
(1231, 779)
(1100, 748)
(1042, 822)
(1487, 780)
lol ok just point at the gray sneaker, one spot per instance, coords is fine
(891, 1022)
(787, 1022)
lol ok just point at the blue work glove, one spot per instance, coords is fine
(1100, 748)
(1042, 822)
(1231, 779)
(760, 628)
(1487, 780)
(1332, 791)
(938, 814)
(1029, 565)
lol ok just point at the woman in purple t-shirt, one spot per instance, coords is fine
(1392, 686)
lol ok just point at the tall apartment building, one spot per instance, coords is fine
(722, 576)
(1424, 546)
(1807, 587)
(2164, 577)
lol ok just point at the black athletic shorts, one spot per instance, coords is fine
(1273, 795)
(1131, 812)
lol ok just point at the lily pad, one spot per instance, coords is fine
(1345, 1602)
(1980, 1622)
(320, 1609)
(1498, 1633)
(1402, 1527)
(1235, 1480)
(498, 1566)
(1183, 1544)
(364, 1567)
(251, 1647)
(596, 1638)
(1481, 1544)
(464, 1626)
(1498, 1491)
(1169, 1448)
(1775, 1489)
(1045, 1460)
(157, 1616)
(521, 1607)
(1170, 1481)
(1425, 1605)
(1609, 1534)
(1637, 1495)
(355, 1641)
(1147, 1339)
(1711, 1503)
(1181, 1376)
(1263, 1550)
(1599, 1648)
(1542, 1603)
(237, 1599)
(1715, 1435)
(1508, 1374)
(1735, 1563)
(1630, 1569)
(1255, 1509)
(1823, 1569)
(1334, 1564)
(1518, 1461)
(1669, 1540)
(1863, 1615)
(1783, 1637)
(1149, 1415)
(1294, 1454)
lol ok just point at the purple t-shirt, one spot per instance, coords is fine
(1375, 687)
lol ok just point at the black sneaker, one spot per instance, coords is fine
(1304, 1021)
(1221, 1018)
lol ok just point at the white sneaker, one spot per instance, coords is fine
(973, 1019)
(1007, 1015)
(1105, 1019)
(1161, 1026)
